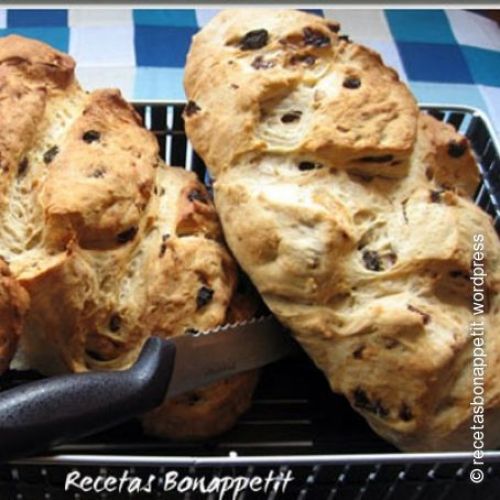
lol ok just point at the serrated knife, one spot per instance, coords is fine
(56, 410)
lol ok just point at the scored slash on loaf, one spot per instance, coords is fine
(350, 211)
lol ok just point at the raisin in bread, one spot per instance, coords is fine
(351, 213)
(110, 244)
(210, 410)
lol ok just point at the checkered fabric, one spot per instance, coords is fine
(448, 56)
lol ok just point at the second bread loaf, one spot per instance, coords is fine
(350, 211)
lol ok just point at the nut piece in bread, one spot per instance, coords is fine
(111, 244)
(358, 228)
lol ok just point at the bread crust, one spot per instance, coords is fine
(210, 410)
(243, 94)
(37, 62)
(13, 305)
(112, 245)
(367, 264)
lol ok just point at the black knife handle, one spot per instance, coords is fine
(41, 414)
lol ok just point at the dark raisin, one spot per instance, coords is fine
(204, 296)
(377, 159)
(50, 154)
(197, 195)
(307, 59)
(193, 398)
(372, 261)
(457, 149)
(405, 413)
(255, 39)
(315, 38)
(379, 409)
(308, 165)
(362, 401)
(98, 173)
(22, 167)
(234, 86)
(191, 331)
(459, 274)
(352, 82)
(91, 136)
(115, 322)
(127, 235)
(260, 63)
(425, 317)
(191, 108)
(405, 214)
(292, 116)
(334, 28)
(158, 162)
(163, 246)
(97, 356)
(358, 353)
(436, 196)
(360, 398)
(390, 342)
(345, 38)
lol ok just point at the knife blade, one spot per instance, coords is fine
(204, 357)
(56, 410)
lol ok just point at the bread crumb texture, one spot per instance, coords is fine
(107, 243)
(350, 210)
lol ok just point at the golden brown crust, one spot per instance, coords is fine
(112, 245)
(212, 409)
(30, 73)
(36, 61)
(249, 75)
(21, 109)
(369, 270)
(208, 411)
(451, 171)
(101, 180)
(13, 305)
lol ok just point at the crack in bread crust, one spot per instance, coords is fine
(350, 212)
(111, 245)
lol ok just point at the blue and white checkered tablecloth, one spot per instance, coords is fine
(450, 56)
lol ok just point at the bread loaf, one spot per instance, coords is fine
(110, 244)
(351, 213)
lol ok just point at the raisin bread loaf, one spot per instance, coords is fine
(351, 213)
(110, 244)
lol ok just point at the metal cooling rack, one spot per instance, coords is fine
(295, 421)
